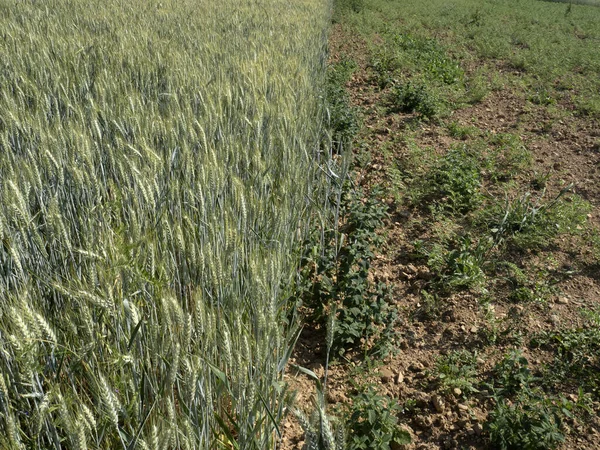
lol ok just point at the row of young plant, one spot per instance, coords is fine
(159, 162)
(423, 49)
(485, 254)
(336, 289)
(488, 211)
(486, 218)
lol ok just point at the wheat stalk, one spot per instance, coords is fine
(156, 165)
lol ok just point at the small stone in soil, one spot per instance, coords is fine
(399, 378)
(464, 422)
(410, 269)
(424, 421)
(386, 375)
(438, 404)
(416, 367)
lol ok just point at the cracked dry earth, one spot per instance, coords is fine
(567, 150)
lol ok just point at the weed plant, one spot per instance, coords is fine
(532, 223)
(480, 227)
(453, 183)
(458, 131)
(339, 277)
(576, 2)
(342, 118)
(475, 232)
(457, 265)
(371, 420)
(457, 370)
(507, 157)
(530, 422)
(527, 288)
(420, 72)
(576, 355)
(407, 53)
(414, 97)
(552, 46)
(525, 417)
(342, 8)
(373, 423)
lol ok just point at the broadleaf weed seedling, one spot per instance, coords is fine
(455, 181)
(373, 422)
(415, 97)
(457, 370)
(342, 117)
(339, 277)
(509, 156)
(458, 131)
(576, 354)
(538, 287)
(525, 416)
(456, 265)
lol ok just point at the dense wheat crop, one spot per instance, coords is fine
(157, 165)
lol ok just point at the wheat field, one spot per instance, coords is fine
(158, 164)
